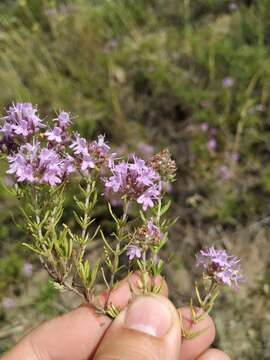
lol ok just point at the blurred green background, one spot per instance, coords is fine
(192, 75)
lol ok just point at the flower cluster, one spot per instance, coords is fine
(59, 134)
(21, 120)
(90, 155)
(143, 238)
(220, 266)
(133, 252)
(35, 164)
(40, 154)
(228, 82)
(46, 153)
(136, 180)
(164, 165)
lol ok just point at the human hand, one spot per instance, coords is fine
(148, 328)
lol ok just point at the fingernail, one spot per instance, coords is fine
(149, 315)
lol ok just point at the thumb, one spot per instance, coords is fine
(149, 329)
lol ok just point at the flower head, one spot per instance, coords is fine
(204, 126)
(228, 82)
(63, 120)
(21, 120)
(220, 266)
(68, 165)
(232, 6)
(36, 165)
(133, 251)
(90, 155)
(55, 134)
(212, 144)
(146, 235)
(164, 165)
(145, 149)
(27, 269)
(136, 180)
(8, 303)
(224, 172)
(79, 145)
(233, 157)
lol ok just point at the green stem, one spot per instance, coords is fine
(145, 273)
(119, 237)
(86, 217)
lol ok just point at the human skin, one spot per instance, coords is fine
(83, 335)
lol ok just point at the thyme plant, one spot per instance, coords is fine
(46, 158)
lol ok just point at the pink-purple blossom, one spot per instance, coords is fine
(79, 145)
(204, 126)
(153, 230)
(228, 82)
(224, 172)
(36, 165)
(8, 303)
(90, 154)
(21, 120)
(232, 6)
(133, 252)
(27, 269)
(136, 180)
(220, 266)
(68, 165)
(234, 156)
(63, 120)
(145, 149)
(55, 134)
(212, 144)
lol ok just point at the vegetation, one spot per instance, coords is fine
(193, 75)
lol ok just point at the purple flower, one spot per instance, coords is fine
(234, 157)
(212, 144)
(55, 134)
(228, 82)
(100, 146)
(87, 162)
(36, 165)
(27, 269)
(63, 120)
(149, 196)
(52, 175)
(21, 165)
(145, 149)
(220, 266)
(21, 120)
(204, 126)
(68, 166)
(153, 230)
(164, 165)
(224, 172)
(133, 251)
(136, 180)
(147, 235)
(79, 145)
(8, 303)
(232, 6)
(90, 155)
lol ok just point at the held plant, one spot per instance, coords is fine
(45, 159)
